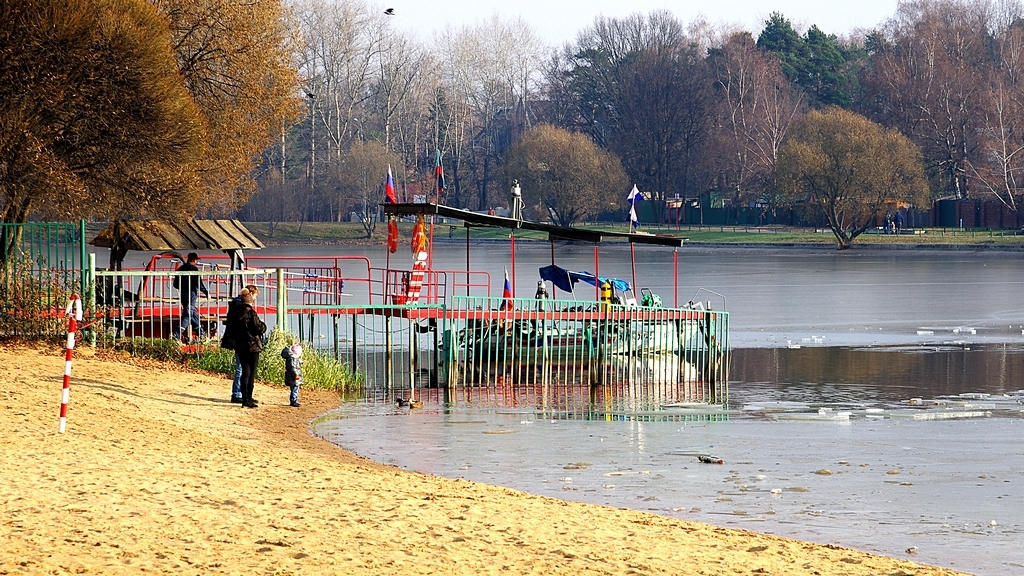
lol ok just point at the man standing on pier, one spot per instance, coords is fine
(189, 286)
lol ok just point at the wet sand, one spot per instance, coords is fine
(158, 472)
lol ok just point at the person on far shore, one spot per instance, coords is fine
(247, 329)
(236, 383)
(188, 288)
(897, 221)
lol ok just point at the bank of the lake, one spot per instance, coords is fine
(349, 233)
(158, 472)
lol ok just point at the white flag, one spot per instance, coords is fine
(634, 197)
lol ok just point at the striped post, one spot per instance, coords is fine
(74, 314)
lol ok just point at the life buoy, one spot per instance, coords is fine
(392, 236)
(419, 236)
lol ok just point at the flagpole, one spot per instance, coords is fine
(512, 236)
(632, 260)
(675, 277)
(439, 176)
(554, 289)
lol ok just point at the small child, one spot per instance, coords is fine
(293, 371)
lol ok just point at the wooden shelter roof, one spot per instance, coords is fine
(554, 232)
(157, 235)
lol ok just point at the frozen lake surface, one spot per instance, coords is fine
(875, 403)
(939, 476)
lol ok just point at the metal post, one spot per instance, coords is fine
(467, 261)
(334, 334)
(282, 302)
(91, 296)
(512, 236)
(388, 349)
(675, 277)
(433, 375)
(632, 260)
(355, 351)
(414, 341)
(554, 294)
(81, 260)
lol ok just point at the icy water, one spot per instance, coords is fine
(875, 403)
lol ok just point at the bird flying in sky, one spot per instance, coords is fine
(390, 11)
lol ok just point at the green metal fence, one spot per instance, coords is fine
(42, 265)
(682, 351)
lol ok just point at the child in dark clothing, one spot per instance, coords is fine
(293, 371)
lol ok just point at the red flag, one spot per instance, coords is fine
(439, 174)
(389, 189)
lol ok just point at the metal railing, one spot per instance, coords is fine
(497, 341)
(671, 354)
(144, 304)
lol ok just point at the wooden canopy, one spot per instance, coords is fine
(186, 235)
(156, 235)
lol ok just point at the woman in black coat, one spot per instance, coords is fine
(246, 328)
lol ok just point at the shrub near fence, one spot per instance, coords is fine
(41, 266)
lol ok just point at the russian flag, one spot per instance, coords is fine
(507, 293)
(389, 189)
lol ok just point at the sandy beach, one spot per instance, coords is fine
(159, 473)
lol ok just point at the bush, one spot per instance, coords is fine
(319, 370)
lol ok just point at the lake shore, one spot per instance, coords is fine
(711, 237)
(159, 472)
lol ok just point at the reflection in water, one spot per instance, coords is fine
(928, 457)
(868, 374)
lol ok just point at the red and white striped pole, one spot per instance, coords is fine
(74, 314)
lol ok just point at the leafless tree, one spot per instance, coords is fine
(757, 105)
(928, 77)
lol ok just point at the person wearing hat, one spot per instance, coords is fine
(293, 371)
(246, 329)
(236, 383)
(188, 287)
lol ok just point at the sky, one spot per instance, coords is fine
(558, 21)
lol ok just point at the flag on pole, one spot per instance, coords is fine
(506, 293)
(634, 197)
(389, 189)
(439, 174)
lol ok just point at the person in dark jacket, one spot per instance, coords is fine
(246, 328)
(189, 287)
(236, 383)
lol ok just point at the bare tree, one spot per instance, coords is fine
(998, 168)
(757, 105)
(489, 72)
(927, 77)
(645, 92)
